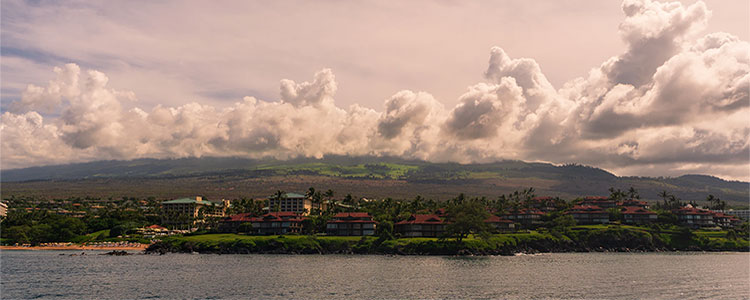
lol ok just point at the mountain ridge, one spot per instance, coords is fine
(361, 175)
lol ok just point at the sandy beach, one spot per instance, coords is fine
(139, 247)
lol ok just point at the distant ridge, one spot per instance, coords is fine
(411, 176)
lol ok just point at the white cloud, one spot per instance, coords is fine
(673, 102)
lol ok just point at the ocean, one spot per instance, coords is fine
(58, 275)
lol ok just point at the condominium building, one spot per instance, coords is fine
(191, 210)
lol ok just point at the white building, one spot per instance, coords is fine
(3, 209)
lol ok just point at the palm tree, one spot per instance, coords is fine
(633, 193)
(329, 198)
(280, 195)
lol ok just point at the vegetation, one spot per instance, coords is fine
(34, 220)
(606, 238)
(370, 177)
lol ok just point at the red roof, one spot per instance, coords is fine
(283, 216)
(352, 221)
(155, 227)
(496, 219)
(525, 211)
(586, 209)
(634, 202)
(691, 211)
(596, 198)
(352, 217)
(636, 210)
(723, 215)
(342, 215)
(245, 217)
(422, 219)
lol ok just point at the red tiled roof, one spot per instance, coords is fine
(524, 211)
(590, 209)
(634, 202)
(691, 211)
(636, 210)
(351, 215)
(278, 217)
(155, 227)
(244, 217)
(723, 215)
(352, 221)
(496, 219)
(422, 219)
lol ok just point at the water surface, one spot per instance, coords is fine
(47, 274)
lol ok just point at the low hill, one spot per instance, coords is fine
(360, 176)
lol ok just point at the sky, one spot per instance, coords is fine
(643, 88)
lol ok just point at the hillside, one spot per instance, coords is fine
(360, 176)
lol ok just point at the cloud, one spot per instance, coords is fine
(674, 102)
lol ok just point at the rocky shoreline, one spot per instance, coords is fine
(312, 245)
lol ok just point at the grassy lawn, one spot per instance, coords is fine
(225, 237)
(377, 170)
(606, 226)
(711, 234)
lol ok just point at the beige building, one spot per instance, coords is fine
(190, 210)
(291, 202)
(3, 209)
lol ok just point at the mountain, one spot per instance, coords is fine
(361, 176)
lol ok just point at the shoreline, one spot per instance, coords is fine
(73, 247)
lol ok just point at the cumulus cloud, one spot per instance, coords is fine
(674, 102)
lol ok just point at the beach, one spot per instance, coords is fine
(130, 247)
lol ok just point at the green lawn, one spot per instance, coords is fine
(377, 170)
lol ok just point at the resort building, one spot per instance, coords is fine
(602, 202)
(188, 211)
(351, 223)
(637, 215)
(3, 209)
(499, 224)
(290, 202)
(634, 202)
(544, 204)
(694, 217)
(233, 222)
(588, 214)
(725, 220)
(421, 226)
(743, 214)
(277, 223)
(527, 217)
(153, 231)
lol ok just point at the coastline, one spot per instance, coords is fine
(508, 244)
(141, 247)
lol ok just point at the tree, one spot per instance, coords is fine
(562, 223)
(278, 196)
(465, 217)
(245, 227)
(633, 193)
(716, 203)
(617, 194)
(331, 208)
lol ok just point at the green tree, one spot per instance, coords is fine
(245, 227)
(465, 217)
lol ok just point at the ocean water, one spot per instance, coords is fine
(48, 274)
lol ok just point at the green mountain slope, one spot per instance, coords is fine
(361, 176)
